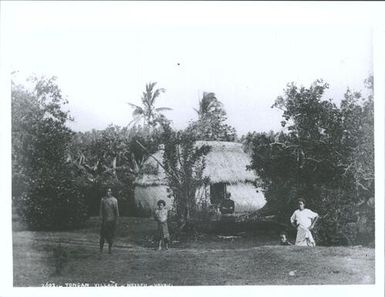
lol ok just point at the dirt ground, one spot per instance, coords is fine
(252, 258)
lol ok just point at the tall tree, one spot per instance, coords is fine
(211, 120)
(45, 189)
(150, 114)
(184, 164)
(327, 155)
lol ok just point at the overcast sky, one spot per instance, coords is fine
(104, 53)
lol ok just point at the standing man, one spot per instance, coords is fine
(304, 220)
(109, 213)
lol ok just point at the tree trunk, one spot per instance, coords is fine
(186, 198)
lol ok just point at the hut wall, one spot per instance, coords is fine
(246, 197)
(147, 197)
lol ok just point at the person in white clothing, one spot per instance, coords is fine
(304, 220)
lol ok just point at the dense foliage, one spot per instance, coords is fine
(211, 123)
(45, 189)
(60, 176)
(112, 158)
(326, 156)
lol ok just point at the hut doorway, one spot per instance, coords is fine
(217, 193)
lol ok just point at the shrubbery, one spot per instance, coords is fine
(111, 158)
(57, 206)
(326, 156)
(46, 193)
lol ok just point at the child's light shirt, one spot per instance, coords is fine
(303, 217)
(161, 215)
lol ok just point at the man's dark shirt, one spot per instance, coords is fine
(227, 206)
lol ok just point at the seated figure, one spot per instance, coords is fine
(227, 205)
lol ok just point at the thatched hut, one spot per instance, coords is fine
(226, 168)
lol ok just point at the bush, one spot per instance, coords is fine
(122, 190)
(326, 156)
(45, 186)
(53, 207)
(343, 221)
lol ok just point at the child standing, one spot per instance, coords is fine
(161, 214)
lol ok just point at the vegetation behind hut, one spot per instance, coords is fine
(112, 158)
(211, 121)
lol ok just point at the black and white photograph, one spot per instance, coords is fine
(193, 145)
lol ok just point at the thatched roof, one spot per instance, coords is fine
(226, 162)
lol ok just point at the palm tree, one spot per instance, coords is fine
(211, 120)
(208, 104)
(149, 113)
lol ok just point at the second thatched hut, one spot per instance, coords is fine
(226, 168)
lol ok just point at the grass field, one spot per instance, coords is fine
(254, 258)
